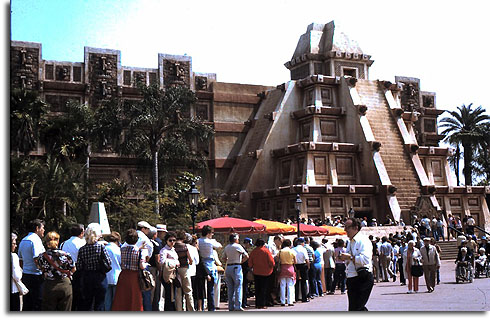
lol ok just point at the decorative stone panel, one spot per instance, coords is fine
(102, 77)
(176, 72)
(24, 67)
(360, 68)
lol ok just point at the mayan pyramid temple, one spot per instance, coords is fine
(330, 134)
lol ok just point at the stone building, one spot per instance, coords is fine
(330, 134)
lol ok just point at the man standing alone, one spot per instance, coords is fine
(358, 258)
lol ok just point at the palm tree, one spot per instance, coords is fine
(27, 117)
(156, 125)
(462, 128)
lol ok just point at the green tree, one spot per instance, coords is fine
(27, 116)
(462, 129)
(156, 126)
(482, 159)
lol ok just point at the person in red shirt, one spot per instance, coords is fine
(262, 264)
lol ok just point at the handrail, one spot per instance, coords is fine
(457, 231)
(482, 230)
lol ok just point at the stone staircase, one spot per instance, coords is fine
(397, 162)
(449, 250)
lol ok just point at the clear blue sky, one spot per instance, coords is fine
(444, 43)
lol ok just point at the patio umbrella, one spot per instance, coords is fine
(333, 230)
(272, 227)
(227, 224)
(312, 230)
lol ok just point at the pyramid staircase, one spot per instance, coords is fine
(449, 250)
(397, 162)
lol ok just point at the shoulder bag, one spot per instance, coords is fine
(416, 269)
(104, 266)
(146, 280)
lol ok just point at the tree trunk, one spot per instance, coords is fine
(467, 156)
(87, 172)
(155, 182)
(458, 157)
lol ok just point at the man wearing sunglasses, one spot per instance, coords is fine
(358, 258)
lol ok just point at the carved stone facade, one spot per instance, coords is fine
(24, 66)
(331, 135)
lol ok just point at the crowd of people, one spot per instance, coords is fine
(91, 271)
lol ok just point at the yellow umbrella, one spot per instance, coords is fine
(272, 227)
(333, 230)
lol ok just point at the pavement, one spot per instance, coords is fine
(391, 296)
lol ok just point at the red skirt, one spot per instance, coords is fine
(128, 293)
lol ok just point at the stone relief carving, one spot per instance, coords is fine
(201, 83)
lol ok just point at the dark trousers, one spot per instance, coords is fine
(93, 291)
(311, 285)
(339, 277)
(210, 294)
(32, 301)
(169, 292)
(400, 269)
(245, 287)
(272, 289)
(14, 302)
(76, 290)
(329, 279)
(261, 290)
(358, 291)
(302, 270)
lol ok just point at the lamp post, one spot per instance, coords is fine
(193, 198)
(298, 211)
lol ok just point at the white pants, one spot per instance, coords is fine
(287, 286)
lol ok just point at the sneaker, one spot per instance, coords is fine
(409, 291)
(290, 305)
(342, 292)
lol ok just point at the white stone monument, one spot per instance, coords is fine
(99, 215)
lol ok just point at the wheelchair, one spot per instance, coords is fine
(482, 271)
(464, 272)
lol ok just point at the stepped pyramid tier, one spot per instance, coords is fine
(346, 144)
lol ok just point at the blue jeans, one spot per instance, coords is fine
(316, 282)
(109, 296)
(234, 282)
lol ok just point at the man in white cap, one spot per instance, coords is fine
(430, 262)
(146, 246)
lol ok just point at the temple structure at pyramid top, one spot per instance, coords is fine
(324, 50)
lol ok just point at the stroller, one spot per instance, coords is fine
(464, 272)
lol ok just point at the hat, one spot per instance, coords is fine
(301, 240)
(483, 237)
(374, 219)
(426, 238)
(247, 240)
(162, 228)
(144, 224)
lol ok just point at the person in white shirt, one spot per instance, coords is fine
(234, 255)
(358, 258)
(329, 264)
(302, 266)
(206, 246)
(72, 246)
(16, 274)
(146, 246)
(114, 252)
(30, 247)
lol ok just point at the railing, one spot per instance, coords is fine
(455, 230)
(481, 230)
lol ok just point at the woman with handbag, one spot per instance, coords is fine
(93, 262)
(58, 267)
(169, 261)
(16, 277)
(412, 266)
(128, 293)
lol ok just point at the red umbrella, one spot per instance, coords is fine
(311, 230)
(227, 224)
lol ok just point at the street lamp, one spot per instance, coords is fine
(193, 195)
(298, 210)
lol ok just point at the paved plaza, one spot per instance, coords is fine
(391, 296)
